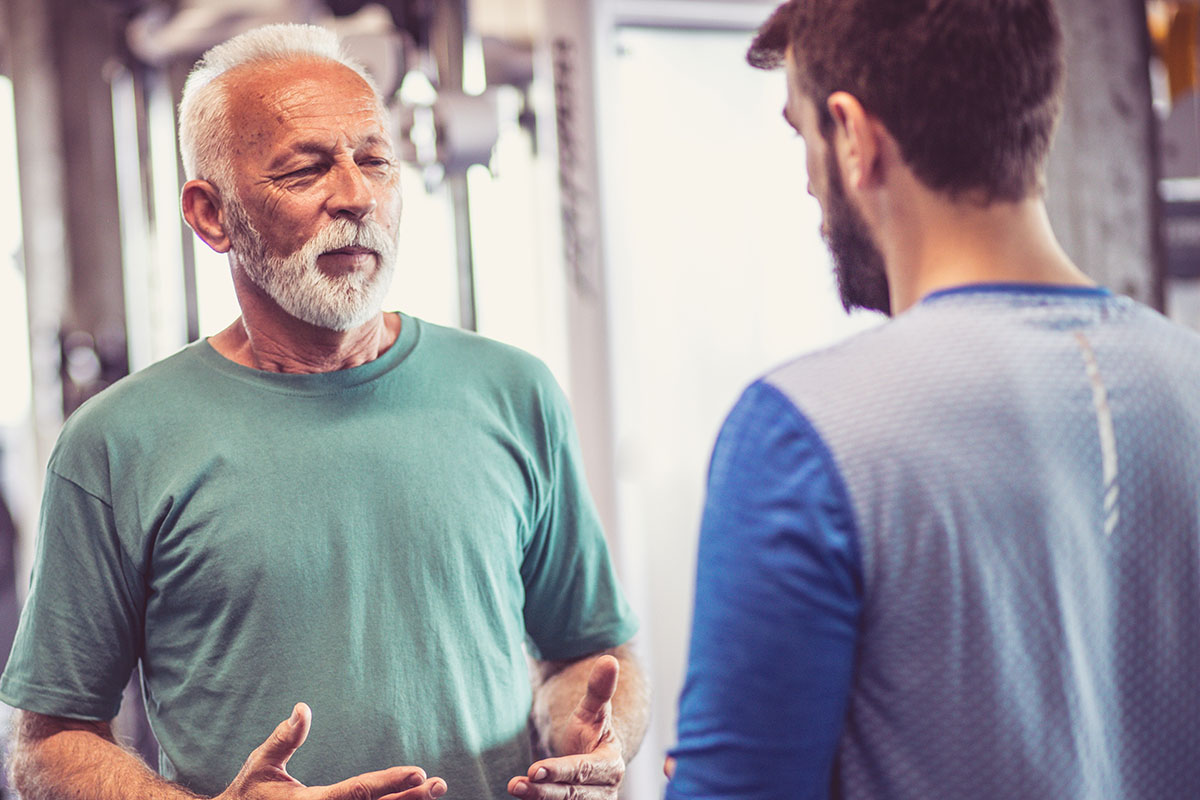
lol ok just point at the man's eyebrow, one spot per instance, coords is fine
(297, 149)
(374, 140)
(318, 148)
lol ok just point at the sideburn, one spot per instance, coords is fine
(858, 263)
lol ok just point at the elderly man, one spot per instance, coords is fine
(351, 518)
(955, 556)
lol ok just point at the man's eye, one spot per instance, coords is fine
(303, 172)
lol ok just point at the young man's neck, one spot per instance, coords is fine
(267, 338)
(932, 243)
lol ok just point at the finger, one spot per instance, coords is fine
(522, 788)
(669, 767)
(287, 737)
(602, 685)
(601, 767)
(396, 782)
(429, 790)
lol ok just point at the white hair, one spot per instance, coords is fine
(204, 126)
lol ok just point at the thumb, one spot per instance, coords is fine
(602, 685)
(287, 737)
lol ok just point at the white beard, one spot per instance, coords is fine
(337, 303)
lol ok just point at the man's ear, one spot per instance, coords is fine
(857, 140)
(202, 209)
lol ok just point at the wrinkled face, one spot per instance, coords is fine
(315, 211)
(858, 263)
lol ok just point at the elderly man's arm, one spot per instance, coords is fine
(56, 757)
(591, 714)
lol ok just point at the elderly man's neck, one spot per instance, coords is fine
(284, 344)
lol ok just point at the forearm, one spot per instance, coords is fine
(81, 761)
(563, 683)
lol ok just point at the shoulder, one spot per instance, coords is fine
(496, 380)
(141, 388)
(766, 438)
(890, 383)
(886, 352)
(962, 344)
(462, 351)
(122, 416)
(1168, 339)
(966, 356)
(477, 369)
(853, 371)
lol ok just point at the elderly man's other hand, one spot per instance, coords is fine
(264, 775)
(593, 766)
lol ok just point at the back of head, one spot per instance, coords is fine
(970, 89)
(204, 128)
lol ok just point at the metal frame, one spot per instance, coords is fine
(724, 15)
(592, 377)
(578, 32)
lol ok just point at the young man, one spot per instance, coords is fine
(325, 511)
(955, 556)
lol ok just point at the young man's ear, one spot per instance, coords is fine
(202, 209)
(856, 140)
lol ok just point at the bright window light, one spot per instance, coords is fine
(14, 327)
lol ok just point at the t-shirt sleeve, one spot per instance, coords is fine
(79, 635)
(574, 604)
(778, 595)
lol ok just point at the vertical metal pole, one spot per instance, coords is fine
(43, 200)
(175, 76)
(446, 42)
(460, 199)
(570, 27)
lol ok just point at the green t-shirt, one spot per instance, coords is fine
(381, 542)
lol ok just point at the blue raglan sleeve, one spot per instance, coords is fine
(778, 595)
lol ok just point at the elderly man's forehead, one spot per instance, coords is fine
(268, 82)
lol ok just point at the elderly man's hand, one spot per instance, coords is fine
(594, 764)
(264, 775)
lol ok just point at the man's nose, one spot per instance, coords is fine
(351, 193)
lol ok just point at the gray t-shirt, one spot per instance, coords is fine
(956, 558)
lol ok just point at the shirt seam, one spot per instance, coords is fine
(107, 503)
(1026, 289)
(129, 559)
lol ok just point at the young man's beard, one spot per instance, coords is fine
(297, 284)
(857, 261)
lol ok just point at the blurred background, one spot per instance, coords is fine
(604, 183)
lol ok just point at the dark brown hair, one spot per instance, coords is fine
(970, 89)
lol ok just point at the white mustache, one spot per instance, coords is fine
(342, 233)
